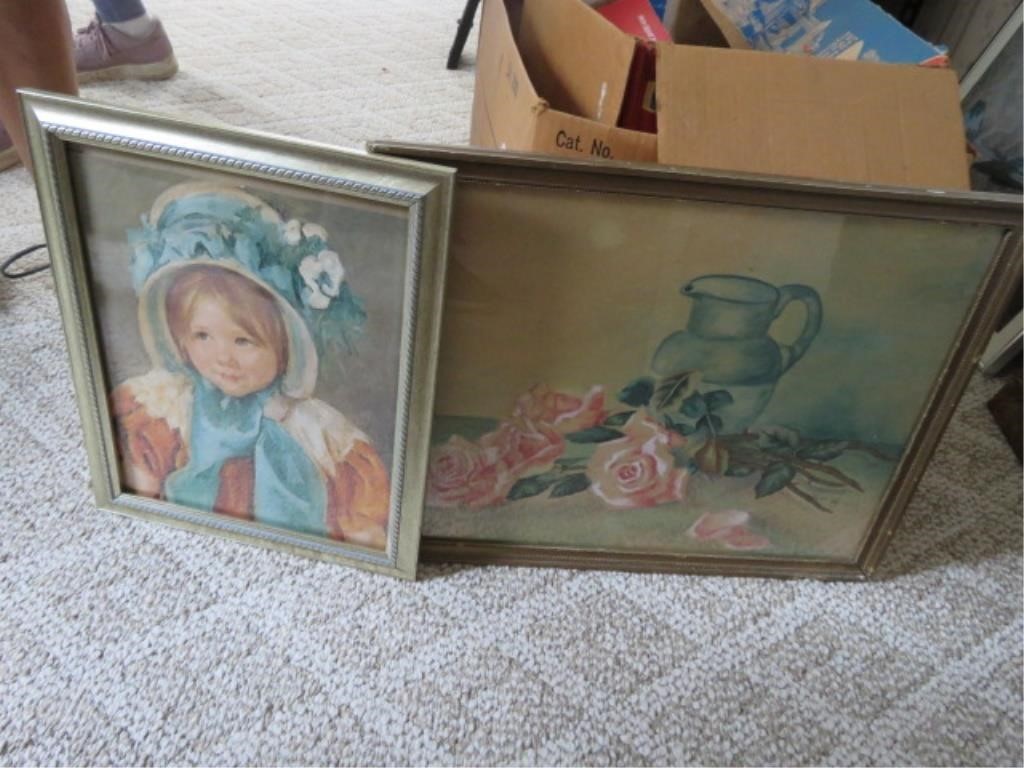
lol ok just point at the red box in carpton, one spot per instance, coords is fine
(637, 18)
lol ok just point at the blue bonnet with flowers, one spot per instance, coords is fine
(210, 224)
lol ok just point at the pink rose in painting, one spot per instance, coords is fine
(524, 448)
(566, 413)
(638, 469)
(729, 527)
(462, 473)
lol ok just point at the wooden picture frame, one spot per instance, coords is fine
(252, 326)
(583, 420)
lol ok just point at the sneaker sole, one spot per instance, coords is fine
(160, 70)
(8, 157)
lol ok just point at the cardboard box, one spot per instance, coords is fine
(577, 115)
(551, 78)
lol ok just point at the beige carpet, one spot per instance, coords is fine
(127, 642)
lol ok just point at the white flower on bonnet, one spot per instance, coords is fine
(314, 230)
(323, 275)
(293, 232)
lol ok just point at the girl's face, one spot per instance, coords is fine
(225, 354)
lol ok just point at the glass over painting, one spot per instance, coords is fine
(250, 334)
(631, 373)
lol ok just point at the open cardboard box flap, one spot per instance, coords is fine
(816, 118)
(559, 41)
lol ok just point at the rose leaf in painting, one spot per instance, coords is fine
(775, 478)
(570, 484)
(594, 435)
(531, 486)
(638, 392)
(674, 388)
(618, 419)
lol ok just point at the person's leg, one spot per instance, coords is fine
(118, 10)
(35, 52)
(123, 42)
(128, 16)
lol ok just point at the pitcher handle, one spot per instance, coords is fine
(810, 299)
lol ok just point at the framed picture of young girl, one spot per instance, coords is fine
(252, 324)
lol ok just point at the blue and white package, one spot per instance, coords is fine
(832, 29)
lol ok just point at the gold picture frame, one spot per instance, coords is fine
(252, 326)
(579, 422)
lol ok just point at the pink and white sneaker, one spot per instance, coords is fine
(102, 52)
(8, 156)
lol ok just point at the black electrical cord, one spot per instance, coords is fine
(10, 261)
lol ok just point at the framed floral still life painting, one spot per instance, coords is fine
(648, 368)
(252, 324)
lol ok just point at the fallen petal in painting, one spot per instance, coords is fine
(715, 525)
(743, 538)
(728, 527)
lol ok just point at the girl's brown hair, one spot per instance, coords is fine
(252, 307)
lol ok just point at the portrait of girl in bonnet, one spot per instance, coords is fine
(236, 308)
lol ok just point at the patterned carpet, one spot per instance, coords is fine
(131, 643)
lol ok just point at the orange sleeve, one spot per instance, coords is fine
(149, 449)
(359, 498)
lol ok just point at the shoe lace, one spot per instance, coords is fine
(92, 34)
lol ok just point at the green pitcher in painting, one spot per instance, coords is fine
(726, 340)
